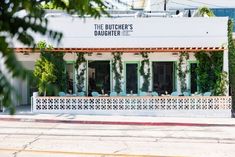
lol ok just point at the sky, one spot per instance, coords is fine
(177, 4)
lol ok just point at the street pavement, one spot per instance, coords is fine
(67, 135)
(27, 139)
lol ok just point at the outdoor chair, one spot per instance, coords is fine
(175, 93)
(122, 94)
(207, 94)
(95, 94)
(62, 94)
(142, 93)
(81, 94)
(186, 93)
(154, 94)
(113, 94)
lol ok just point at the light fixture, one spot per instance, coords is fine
(99, 54)
(174, 53)
(26, 53)
(136, 53)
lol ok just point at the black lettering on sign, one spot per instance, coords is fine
(113, 29)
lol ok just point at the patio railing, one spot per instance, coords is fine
(187, 106)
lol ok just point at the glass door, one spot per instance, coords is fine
(193, 78)
(70, 78)
(163, 77)
(131, 78)
(99, 77)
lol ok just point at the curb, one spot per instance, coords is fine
(115, 122)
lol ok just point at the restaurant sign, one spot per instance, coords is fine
(113, 29)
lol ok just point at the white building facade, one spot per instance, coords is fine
(163, 39)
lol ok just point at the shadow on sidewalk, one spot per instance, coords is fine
(20, 110)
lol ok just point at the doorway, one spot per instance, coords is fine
(99, 77)
(193, 78)
(70, 78)
(163, 77)
(131, 78)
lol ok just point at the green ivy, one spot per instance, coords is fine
(231, 49)
(182, 73)
(80, 74)
(221, 84)
(117, 61)
(210, 72)
(146, 76)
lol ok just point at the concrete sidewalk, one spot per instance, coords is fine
(120, 120)
(24, 114)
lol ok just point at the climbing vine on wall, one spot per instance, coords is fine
(117, 68)
(210, 73)
(81, 69)
(221, 84)
(145, 71)
(231, 49)
(183, 70)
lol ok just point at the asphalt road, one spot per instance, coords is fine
(34, 139)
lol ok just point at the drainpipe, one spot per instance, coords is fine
(164, 5)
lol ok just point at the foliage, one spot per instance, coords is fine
(221, 84)
(21, 27)
(57, 59)
(209, 72)
(145, 71)
(182, 72)
(117, 69)
(203, 71)
(93, 8)
(231, 49)
(50, 5)
(45, 72)
(205, 11)
(81, 69)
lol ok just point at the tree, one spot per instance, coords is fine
(57, 59)
(204, 11)
(231, 49)
(21, 27)
(45, 72)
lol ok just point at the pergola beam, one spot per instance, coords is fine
(130, 50)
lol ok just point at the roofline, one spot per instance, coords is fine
(130, 50)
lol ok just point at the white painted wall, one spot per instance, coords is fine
(126, 57)
(20, 85)
(146, 32)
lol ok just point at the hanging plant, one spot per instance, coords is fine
(145, 71)
(182, 72)
(117, 69)
(81, 69)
